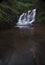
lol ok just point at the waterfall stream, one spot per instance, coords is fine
(27, 18)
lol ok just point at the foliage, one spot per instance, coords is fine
(9, 10)
(40, 5)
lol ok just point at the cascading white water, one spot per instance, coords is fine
(27, 18)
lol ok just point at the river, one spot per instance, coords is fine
(25, 46)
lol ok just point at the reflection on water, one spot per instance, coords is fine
(25, 46)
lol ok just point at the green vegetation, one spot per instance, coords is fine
(9, 11)
(40, 17)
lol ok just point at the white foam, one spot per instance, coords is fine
(27, 18)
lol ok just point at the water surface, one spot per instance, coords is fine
(23, 46)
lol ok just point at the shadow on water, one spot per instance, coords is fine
(24, 46)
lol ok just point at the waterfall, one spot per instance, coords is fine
(27, 18)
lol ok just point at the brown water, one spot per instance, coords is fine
(23, 46)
